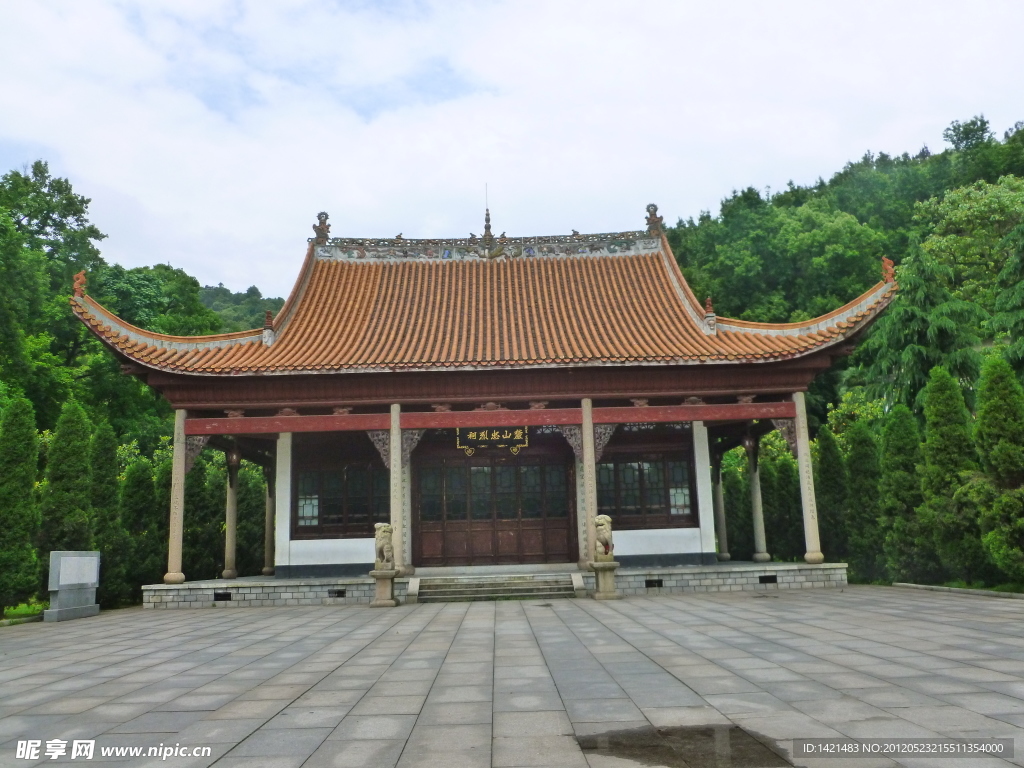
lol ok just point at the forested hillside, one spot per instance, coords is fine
(239, 311)
(902, 493)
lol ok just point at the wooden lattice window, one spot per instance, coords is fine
(646, 491)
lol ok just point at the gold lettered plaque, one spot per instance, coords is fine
(471, 438)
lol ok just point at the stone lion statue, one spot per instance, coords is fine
(385, 550)
(605, 547)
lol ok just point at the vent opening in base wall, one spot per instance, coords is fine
(221, 597)
(654, 583)
(769, 579)
(335, 592)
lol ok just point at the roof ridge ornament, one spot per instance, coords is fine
(888, 270)
(654, 221)
(710, 319)
(268, 328)
(322, 229)
(80, 284)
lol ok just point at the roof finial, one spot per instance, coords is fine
(488, 237)
(710, 321)
(654, 221)
(888, 270)
(268, 319)
(80, 284)
(322, 229)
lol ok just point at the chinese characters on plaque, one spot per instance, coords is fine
(471, 438)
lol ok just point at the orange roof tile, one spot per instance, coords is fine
(588, 300)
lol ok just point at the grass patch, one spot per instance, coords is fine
(25, 610)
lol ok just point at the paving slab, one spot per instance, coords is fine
(513, 684)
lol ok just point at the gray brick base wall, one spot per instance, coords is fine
(737, 577)
(264, 592)
(719, 578)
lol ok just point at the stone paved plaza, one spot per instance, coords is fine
(513, 683)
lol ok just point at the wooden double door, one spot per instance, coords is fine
(493, 510)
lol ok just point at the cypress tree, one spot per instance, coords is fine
(997, 494)
(789, 537)
(736, 497)
(927, 325)
(19, 514)
(252, 507)
(831, 493)
(203, 539)
(66, 513)
(948, 454)
(145, 523)
(162, 471)
(907, 545)
(863, 531)
(999, 430)
(111, 538)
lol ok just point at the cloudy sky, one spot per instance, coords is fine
(209, 133)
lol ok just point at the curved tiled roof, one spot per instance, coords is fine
(569, 307)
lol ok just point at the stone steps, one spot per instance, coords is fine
(450, 589)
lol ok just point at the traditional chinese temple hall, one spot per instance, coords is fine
(489, 398)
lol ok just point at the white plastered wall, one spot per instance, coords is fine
(658, 541)
(331, 551)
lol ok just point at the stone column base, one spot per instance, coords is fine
(268, 570)
(77, 612)
(604, 575)
(384, 596)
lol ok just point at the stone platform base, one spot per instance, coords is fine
(266, 591)
(724, 577)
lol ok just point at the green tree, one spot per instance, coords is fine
(908, 545)
(969, 226)
(19, 515)
(780, 489)
(736, 498)
(832, 494)
(252, 496)
(864, 534)
(853, 407)
(997, 494)
(111, 538)
(948, 455)
(146, 524)
(203, 539)
(999, 430)
(66, 512)
(789, 533)
(1009, 317)
(925, 326)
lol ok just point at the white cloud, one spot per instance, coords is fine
(210, 133)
